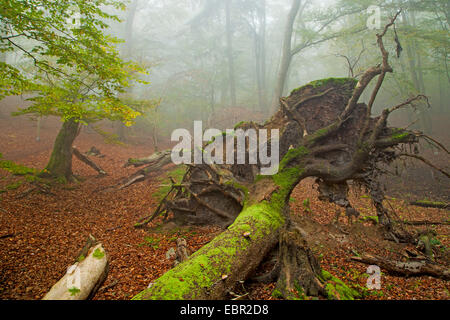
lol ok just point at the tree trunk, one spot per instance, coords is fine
(60, 164)
(260, 57)
(127, 52)
(286, 56)
(231, 71)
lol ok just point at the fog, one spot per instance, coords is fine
(221, 61)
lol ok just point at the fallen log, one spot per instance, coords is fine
(84, 277)
(423, 223)
(430, 204)
(411, 268)
(154, 163)
(88, 161)
(153, 159)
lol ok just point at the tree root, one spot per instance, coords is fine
(299, 271)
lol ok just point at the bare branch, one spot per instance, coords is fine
(425, 161)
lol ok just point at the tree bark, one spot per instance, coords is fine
(286, 56)
(60, 163)
(84, 278)
(229, 36)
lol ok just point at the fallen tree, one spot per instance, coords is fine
(82, 279)
(411, 268)
(324, 133)
(153, 163)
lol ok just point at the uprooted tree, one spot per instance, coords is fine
(324, 133)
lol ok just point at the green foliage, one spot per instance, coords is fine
(74, 291)
(110, 138)
(98, 254)
(307, 205)
(75, 70)
(151, 242)
(16, 169)
(336, 289)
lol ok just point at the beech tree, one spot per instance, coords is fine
(76, 72)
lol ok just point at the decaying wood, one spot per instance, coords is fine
(154, 163)
(153, 159)
(299, 266)
(326, 133)
(182, 251)
(437, 205)
(413, 268)
(84, 277)
(423, 223)
(88, 161)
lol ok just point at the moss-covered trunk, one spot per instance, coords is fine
(60, 164)
(324, 133)
(220, 265)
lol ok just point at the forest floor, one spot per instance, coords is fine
(41, 234)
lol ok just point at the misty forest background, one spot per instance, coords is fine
(124, 74)
(222, 61)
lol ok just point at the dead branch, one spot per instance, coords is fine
(427, 162)
(88, 161)
(423, 223)
(413, 268)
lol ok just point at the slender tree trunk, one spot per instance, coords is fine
(286, 57)
(231, 71)
(411, 58)
(127, 51)
(415, 69)
(263, 54)
(256, 44)
(427, 124)
(260, 57)
(60, 164)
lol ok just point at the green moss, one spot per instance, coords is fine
(240, 124)
(61, 180)
(292, 154)
(98, 254)
(373, 219)
(206, 267)
(16, 169)
(81, 258)
(300, 292)
(151, 242)
(432, 203)
(239, 186)
(398, 137)
(277, 294)
(323, 82)
(177, 174)
(307, 205)
(320, 133)
(336, 289)
(14, 186)
(74, 291)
